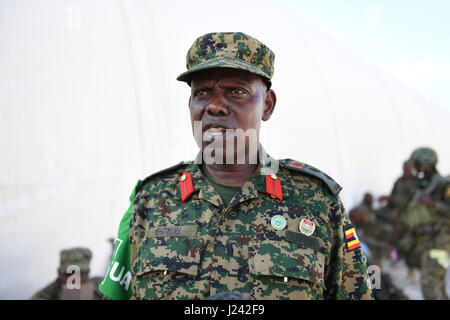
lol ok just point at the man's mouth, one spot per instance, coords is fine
(215, 131)
(215, 128)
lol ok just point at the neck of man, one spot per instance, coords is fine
(231, 174)
(235, 174)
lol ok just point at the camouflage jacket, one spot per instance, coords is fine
(198, 247)
(53, 290)
(402, 193)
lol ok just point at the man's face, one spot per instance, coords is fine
(225, 98)
(368, 198)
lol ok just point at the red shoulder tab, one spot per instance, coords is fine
(186, 186)
(273, 186)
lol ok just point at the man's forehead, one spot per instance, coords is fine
(224, 75)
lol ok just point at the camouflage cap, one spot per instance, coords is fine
(426, 157)
(76, 256)
(229, 50)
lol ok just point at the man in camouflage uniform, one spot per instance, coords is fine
(372, 229)
(376, 233)
(59, 290)
(428, 215)
(401, 194)
(397, 202)
(267, 229)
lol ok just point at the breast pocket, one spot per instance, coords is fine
(282, 270)
(166, 268)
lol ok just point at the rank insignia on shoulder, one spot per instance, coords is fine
(351, 237)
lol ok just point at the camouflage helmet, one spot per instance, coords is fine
(80, 257)
(229, 50)
(425, 157)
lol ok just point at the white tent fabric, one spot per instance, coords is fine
(89, 104)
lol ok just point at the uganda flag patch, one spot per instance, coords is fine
(351, 238)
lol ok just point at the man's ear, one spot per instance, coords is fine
(269, 104)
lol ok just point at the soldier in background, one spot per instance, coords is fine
(372, 229)
(396, 204)
(375, 233)
(65, 286)
(401, 194)
(428, 216)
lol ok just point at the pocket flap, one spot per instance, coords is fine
(284, 259)
(180, 254)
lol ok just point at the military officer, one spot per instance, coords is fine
(59, 290)
(236, 220)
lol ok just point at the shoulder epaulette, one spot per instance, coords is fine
(167, 170)
(332, 185)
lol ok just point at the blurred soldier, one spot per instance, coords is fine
(397, 203)
(402, 193)
(68, 286)
(375, 233)
(428, 216)
(372, 230)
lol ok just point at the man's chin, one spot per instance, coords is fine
(227, 156)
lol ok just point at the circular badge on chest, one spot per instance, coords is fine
(307, 227)
(278, 222)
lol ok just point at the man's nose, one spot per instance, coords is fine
(217, 106)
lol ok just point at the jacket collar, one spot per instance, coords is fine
(204, 190)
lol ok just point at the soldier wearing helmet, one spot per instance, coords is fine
(428, 218)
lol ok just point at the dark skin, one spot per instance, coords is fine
(368, 199)
(426, 199)
(226, 98)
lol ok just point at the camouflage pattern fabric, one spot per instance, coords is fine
(80, 257)
(50, 292)
(54, 289)
(200, 247)
(229, 50)
(433, 272)
(433, 279)
(402, 193)
(426, 157)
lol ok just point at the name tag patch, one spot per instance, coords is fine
(173, 231)
(303, 240)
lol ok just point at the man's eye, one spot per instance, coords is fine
(237, 91)
(201, 93)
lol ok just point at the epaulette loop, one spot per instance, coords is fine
(172, 168)
(332, 185)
